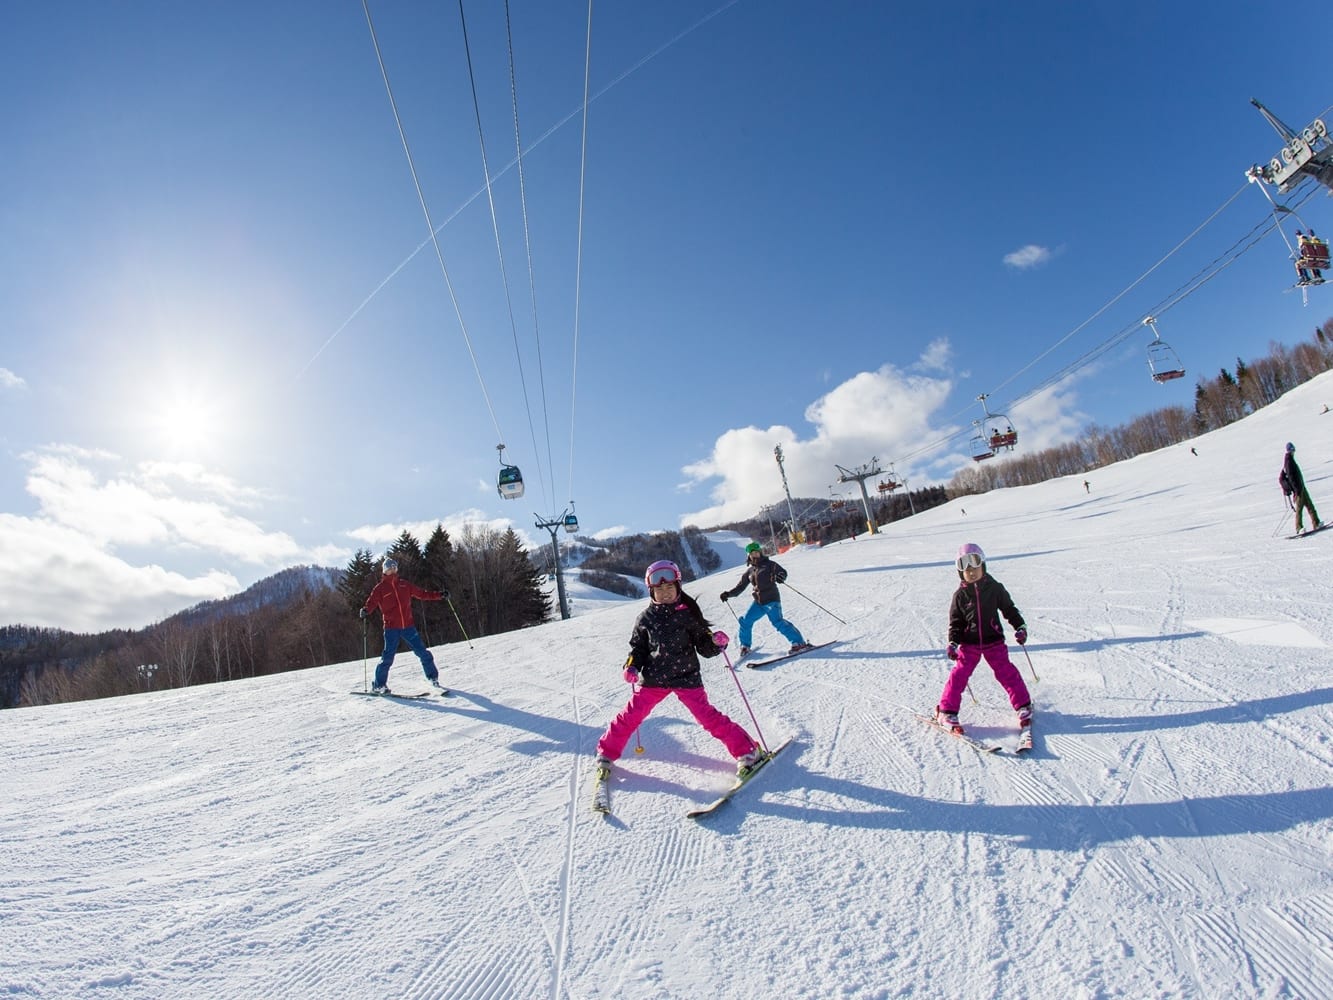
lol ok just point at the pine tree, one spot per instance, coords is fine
(525, 601)
(358, 579)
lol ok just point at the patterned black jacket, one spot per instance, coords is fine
(666, 644)
(974, 612)
(763, 577)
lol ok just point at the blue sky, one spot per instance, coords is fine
(228, 346)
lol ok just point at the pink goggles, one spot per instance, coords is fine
(662, 572)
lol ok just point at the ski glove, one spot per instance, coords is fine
(631, 675)
(952, 651)
(1021, 637)
(720, 640)
(444, 593)
(365, 613)
(726, 596)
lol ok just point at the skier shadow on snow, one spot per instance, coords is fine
(796, 793)
(1232, 713)
(556, 733)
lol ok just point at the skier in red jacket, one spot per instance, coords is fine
(393, 597)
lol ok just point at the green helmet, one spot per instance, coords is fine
(753, 547)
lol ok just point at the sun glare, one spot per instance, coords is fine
(185, 425)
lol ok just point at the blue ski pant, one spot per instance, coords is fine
(409, 635)
(773, 612)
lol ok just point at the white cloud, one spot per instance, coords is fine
(66, 565)
(876, 414)
(1027, 257)
(8, 380)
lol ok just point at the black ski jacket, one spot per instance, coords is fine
(763, 577)
(1293, 473)
(974, 612)
(666, 644)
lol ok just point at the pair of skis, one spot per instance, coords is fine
(395, 696)
(601, 792)
(1023, 745)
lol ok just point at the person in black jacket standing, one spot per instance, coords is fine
(664, 650)
(763, 575)
(1293, 485)
(975, 633)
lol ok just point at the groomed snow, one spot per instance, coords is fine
(1169, 837)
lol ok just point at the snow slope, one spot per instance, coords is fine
(1170, 835)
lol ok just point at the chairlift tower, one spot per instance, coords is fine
(791, 513)
(859, 475)
(553, 526)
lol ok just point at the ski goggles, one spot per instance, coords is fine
(971, 560)
(658, 575)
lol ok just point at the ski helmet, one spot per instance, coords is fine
(1290, 446)
(390, 564)
(662, 571)
(970, 554)
(752, 548)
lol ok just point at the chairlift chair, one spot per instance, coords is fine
(998, 429)
(981, 446)
(1163, 363)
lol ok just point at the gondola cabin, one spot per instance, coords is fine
(510, 482)
(571, 524)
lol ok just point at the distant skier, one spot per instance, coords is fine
(664, 649)
(763, 575)
(393, 597)
(975, 632)
(1293, 487)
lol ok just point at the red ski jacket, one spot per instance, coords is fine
(393, 597)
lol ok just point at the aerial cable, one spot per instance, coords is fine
(1210, 271)
(421, 198)
(495, 228)
(527, 244)
(1134, 284)
(578, 267)
(505, 169)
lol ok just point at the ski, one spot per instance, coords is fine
(741, 782)
(1024, 743)
(760, 664)
(975, 744)
(601, 791)
(1306, 534)
(443, 693)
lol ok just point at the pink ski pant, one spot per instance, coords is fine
(645, 699)
(997, 655)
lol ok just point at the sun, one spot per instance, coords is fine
(185, 423)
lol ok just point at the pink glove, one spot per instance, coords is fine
(720, 640)
(631, 675)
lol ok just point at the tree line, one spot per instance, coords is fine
(302, 617)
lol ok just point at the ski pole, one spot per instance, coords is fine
(969, 691)
(762, 742)
(815, 603)
(365, 657)
(638, 743)
(733, 612)
(1035, 678)
(460, 623)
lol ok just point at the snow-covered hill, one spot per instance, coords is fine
(1169, 837)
